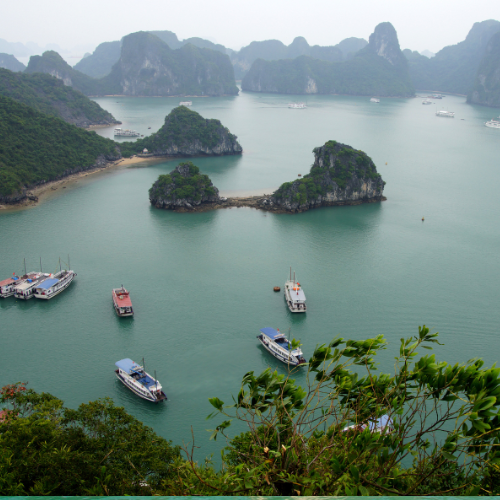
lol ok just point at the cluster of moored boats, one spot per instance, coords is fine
(36, 284)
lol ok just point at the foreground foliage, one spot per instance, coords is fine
(443, 438)
(98, 449)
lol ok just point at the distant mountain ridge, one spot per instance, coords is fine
(8, 61)
(380, 68)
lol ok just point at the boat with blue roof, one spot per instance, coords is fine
(280, 347)
(54, 285)
(135, 377)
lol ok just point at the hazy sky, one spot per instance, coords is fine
(423, 24)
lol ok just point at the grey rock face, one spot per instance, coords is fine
(384, 42)
(226, 146)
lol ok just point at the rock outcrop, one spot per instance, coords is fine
(486, 90)
(9, 62)
(187, 133)
(184, 188)
(380, 68)
(149, 67)
(340, 175)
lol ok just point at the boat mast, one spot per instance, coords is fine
(41, 265)
(25, 266)
(143, 365)
(294, 277)
(60, 264)
(290, 273)
(69, 263)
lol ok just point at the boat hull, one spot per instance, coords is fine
(281, 356)
(131, 386)
(58, 288)
(290, 305)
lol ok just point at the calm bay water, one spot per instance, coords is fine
(201, 284)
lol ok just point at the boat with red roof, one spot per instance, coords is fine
(122, 302)
(7, 286)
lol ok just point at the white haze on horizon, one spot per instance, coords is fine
(79, 27)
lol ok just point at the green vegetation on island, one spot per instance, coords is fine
(36, 148)
(49, 95)
(339, 175)
(187, 133)
(429, 428)
(380, 69)
(185, 186)
(100, 62)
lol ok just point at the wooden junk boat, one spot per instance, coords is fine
(122, 302)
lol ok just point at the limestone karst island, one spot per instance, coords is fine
(249, 251)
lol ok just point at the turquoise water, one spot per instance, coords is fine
(201, 284)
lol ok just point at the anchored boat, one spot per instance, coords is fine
(54, 285)
(7, 286)
(446, 114)
(25, 288)
(186, 103)
(280, 347)
(294, 295)
(375, 99)
(139, 381)
(122, 302)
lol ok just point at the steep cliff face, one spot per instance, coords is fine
(340, 175)
(454, 68)
(100, 62)
(486, 90)
(187, 133)
(148, 67)
(9, 62)
(380, 68)
(52, 63)
(183, 187)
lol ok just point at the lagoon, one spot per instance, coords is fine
(202, 284)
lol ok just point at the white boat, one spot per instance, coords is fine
(374, 99)
(25, 288)
(297, 105)
(492, 124)
(383, 424)
(139, 381)
(126, 133)
(426, 101)
(186, 103)
(294, 295)
(54, 285)
(280, 347)
(7, 286)
(446, 114)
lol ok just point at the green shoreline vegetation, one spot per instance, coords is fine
(442, 437)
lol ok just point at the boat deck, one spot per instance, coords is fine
(144, 380)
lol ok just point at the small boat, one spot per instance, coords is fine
(280, 347)
(294, 295)
(54, 285)
(426, 101)
(126, 133)
(297, 105)
(149, 128)
(384, 424)
(186, 103)
(122, 302)
(374, 99)
(446, 114)
(7, 286)
(139, 381)
(492, 124)
(25, 288)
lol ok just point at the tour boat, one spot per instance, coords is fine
(280, 347)
(25, 289)
(186, 103)
(446, 114)
(7, 286)
(126, 133)
(374, 99)
(383, 424)
(492, 124)
(139, 381)
(122, 302)
(426, 101)
(54, 285)
(297, 105)
(294, 295)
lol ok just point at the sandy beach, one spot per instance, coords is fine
(44, 191)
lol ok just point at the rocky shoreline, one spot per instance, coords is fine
(263, 203)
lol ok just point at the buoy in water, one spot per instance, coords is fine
(300, 175)
(423, 219)
(386, 163)
(276, 288)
